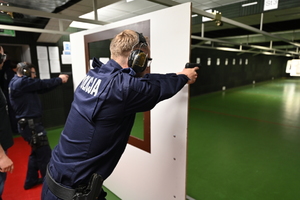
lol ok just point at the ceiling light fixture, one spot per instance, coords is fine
(267, 53)
(249, 4)
(127, 1)
(194, 15)
(227, 49)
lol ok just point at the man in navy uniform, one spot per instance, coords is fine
(6, 138)
(102, 115)
(23, 92)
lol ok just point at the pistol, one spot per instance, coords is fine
(93, 190)
(192, 65)
(67, 73)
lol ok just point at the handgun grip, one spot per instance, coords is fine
(94, 188)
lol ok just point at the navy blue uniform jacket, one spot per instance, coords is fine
(101, 117)
(23, 95)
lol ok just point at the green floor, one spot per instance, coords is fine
(243, 143)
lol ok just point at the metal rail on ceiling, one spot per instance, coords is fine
(264, 50)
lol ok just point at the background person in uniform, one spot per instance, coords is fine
(103, 112)
(23, 92)
(6, 139)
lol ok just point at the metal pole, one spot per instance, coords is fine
(60, 24)
(95, 6)
(261, 21)
(271, 44)
(202, 30)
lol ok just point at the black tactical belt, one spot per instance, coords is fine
(59, 190)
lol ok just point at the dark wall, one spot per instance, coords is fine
(252, 68)
(56, 103)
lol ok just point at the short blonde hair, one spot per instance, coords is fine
(123, 43)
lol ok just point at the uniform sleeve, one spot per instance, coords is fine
(40, 85)
(152, 88)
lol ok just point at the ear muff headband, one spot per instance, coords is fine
(137, 59)
(25, 69)
(142, 39)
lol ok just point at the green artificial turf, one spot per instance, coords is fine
(244, 143)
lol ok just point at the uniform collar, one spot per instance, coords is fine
(112, 66)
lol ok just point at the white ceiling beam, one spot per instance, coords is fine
(165, 2)
(36, 30)
(38, 13)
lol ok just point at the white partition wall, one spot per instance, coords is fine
(161, 174)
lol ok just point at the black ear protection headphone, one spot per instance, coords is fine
(138, 59)
(25, 69)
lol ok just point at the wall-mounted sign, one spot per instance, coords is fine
(66, 55)
(270, 4)
(5, 32)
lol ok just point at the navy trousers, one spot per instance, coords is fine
(37, 164)
(38, 158)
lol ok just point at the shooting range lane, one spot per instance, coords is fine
(243, 143)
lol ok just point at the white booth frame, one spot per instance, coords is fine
(161, 174)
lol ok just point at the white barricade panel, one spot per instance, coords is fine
(161, 174)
